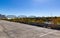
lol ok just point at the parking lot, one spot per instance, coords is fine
(19, 30)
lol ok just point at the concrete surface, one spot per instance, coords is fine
(18, 30)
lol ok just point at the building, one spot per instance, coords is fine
(2, 16)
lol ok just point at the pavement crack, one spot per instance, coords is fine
(4, 30)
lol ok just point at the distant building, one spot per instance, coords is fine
(32, 17)
(22, 16)
(11, 16)
(2, 16)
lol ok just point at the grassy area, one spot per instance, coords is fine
(39, 21)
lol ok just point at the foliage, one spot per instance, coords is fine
(55, 20)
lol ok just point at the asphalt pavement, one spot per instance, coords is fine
(19, 30)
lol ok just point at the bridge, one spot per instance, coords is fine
(19, 30)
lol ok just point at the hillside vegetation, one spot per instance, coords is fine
(39, 21)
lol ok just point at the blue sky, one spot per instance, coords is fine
(30, 7)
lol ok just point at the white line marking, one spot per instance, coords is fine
(47, 34)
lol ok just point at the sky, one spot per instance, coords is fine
(30, 7)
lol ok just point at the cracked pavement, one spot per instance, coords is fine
(19, 30)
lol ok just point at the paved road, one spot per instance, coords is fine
(18, 30)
